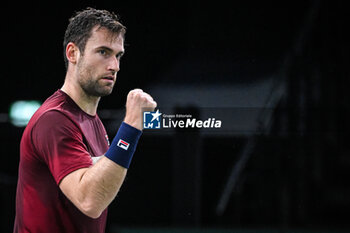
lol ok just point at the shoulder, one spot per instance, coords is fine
(55, 111)
(55, 132)
(53, 121)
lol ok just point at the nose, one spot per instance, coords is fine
(113, 65)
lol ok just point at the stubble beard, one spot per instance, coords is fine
(89, 81)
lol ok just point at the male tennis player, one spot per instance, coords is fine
(68, 174)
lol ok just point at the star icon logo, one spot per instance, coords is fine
(156, 115)
(152, 120)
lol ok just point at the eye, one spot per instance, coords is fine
(119, 55)
(103, 52)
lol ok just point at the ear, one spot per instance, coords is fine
(72, 52)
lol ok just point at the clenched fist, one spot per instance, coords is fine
(136, 103)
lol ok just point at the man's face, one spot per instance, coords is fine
(97, 68)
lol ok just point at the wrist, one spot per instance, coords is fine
(136, 122)
(124, 145)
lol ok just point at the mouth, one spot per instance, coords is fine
(109, 78)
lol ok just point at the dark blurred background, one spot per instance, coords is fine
(275, 72)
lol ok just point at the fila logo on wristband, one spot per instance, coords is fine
(123, 144)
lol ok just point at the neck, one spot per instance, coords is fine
(86, 102)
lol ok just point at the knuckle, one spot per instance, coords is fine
(137, 95)
(134, 92)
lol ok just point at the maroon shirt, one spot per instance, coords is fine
(59, 139)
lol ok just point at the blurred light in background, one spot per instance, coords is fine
(21, 111)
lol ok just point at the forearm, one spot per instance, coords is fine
(92, 189)
(98, 186)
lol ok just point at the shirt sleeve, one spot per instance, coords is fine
(58, 142)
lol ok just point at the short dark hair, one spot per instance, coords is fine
(81, 24)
